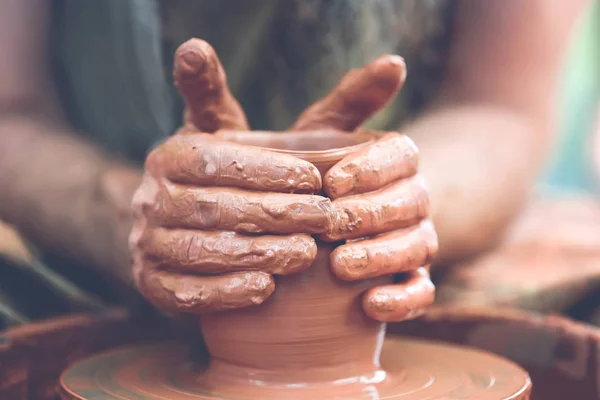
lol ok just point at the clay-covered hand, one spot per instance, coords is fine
(214, 219)
(381, 204)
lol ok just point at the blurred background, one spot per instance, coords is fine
(575, 163)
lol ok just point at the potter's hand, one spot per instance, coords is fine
(379, 197)
(213, 219)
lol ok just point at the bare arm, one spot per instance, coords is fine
(59, 190)
(486, 137)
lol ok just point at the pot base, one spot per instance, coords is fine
(411, 370)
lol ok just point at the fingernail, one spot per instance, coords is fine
(392, 59)
(399, 61)
(396, 60)
(413, 314)
(390, 67)
(383, 303)
(351, 264)
(192, 62)
(262, 285)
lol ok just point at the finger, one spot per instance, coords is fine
(201, 79)
(357, 97)
(229, 209)
(206, 161)
(198, 252)
(179, 293)
(387, 254)
(399, 205)
(393, 157)
(401, 301)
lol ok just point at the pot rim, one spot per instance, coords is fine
(357, 140)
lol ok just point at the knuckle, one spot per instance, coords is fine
(420, 197)
(172, 204)
(143, 242)
(406, 152)
(146, 199)
(137, 269)
(153, 159)
(420, 185)
(433, 250)
(418, 254)
(409, 155)
(404, 142)
(398, 140)
(428, 295)
(156, 159)
(143, 254)
(429, 288)
(395, 140)
(429, 239)
(426, 286)
(140, 278)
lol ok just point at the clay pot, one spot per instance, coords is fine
(312, 329)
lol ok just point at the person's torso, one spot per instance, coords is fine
(114, 58)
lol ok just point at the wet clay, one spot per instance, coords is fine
(209, 207)
(410, 370)
(312, 328)
(311, 339)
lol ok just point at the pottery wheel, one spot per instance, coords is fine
(414, 370)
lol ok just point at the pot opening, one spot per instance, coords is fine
(303, 142)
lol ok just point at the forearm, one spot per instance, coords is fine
(480, 164)
(64, 194)
(481, 159)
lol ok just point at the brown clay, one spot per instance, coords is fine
(310, 339)
(199, 188)
(313, 321)
(563, 365)
(216, 215)
(383, 210)
(425, 370)
(203, 160)
(397, 303)
(375, 166)
(201, 79)
(238, 210)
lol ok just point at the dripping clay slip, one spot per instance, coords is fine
(309, 340)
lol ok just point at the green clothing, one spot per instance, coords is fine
(114, 58)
